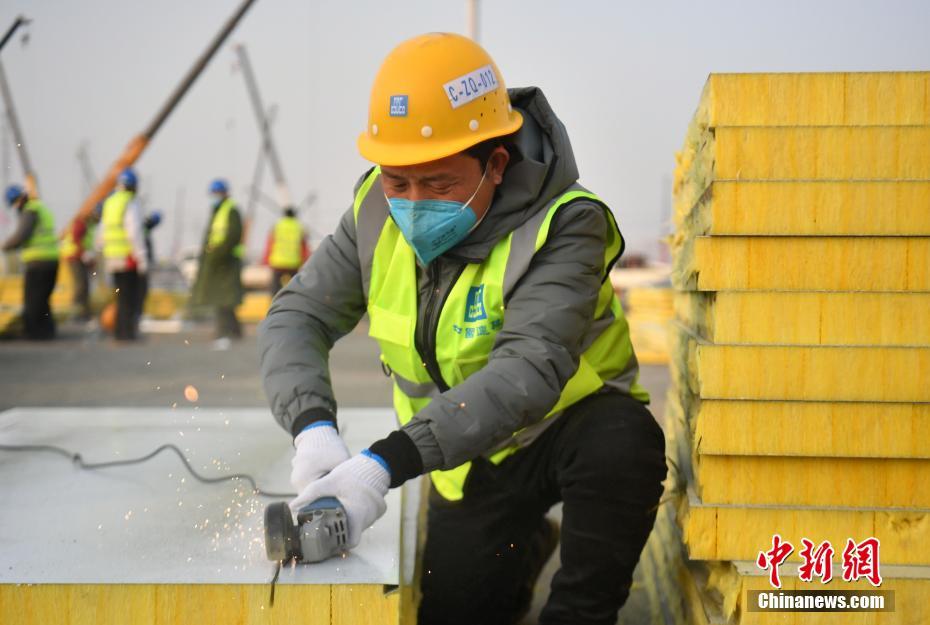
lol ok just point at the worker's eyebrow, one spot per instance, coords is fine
(440, 178)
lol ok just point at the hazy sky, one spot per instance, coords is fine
(624, 78)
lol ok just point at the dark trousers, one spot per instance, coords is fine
(227, 325)
(80, 275)
(605, 460)
(38, 284)
(127, 302)
(142, 292)
(280, 278)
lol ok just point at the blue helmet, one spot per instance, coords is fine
(128, 178)
(153, 219)
(13, 193)
(219, 186)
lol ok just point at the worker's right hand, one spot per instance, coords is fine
(360, 484)
(319, 450)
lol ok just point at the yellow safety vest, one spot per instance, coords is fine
(473, 314)
(116, 243)
(43, 244)
(286, 244)
(70, 248)
(219, 228)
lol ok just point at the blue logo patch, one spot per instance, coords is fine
(474, 306)
(398, 106)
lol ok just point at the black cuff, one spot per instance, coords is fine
(311, 416)
(401, 455)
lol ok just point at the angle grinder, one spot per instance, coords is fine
(321, 531)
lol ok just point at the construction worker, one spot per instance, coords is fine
(77, 249)
(483, 267)
(286, 249)
(219, 282)
(122, 240)
(37, 242)
(151, 221)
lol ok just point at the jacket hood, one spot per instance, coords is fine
(542, 165)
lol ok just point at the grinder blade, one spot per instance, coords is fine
(281, 542)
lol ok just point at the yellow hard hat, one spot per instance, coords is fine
(435, 95)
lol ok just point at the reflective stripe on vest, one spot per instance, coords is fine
(219, 228)
(286, 245)
(472, 315)
(116, 242)
(43, 243)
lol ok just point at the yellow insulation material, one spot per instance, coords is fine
(803, 264)
(653, 300)
(799, 154)
(800, 357)
(802, 480)
(720, 532)
(648, 312)
(254, 307)
(827, 429)
(807, 318)
(721, 587)
(162, 604)
(799, 481)
(11, 290)
(810, 208)
(649, 335)
(816, 99)
(869, 374)
(161, 304)
(799, 428)
(833, 153)
(817, 106)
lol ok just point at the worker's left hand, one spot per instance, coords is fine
(360, 484)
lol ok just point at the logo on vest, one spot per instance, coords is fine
(474, 305)
(475, 311)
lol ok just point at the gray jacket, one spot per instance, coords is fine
(535, 352)
(24, 229)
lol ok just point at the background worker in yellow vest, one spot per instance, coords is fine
(483, 267)
(286, 249)
(122, 241)
(219, 282)
(77, 249)
(38, 244)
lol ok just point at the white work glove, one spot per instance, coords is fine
(360, 484)
(320, 449)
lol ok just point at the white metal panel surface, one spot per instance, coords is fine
(153, 523)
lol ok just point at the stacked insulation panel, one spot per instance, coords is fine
(648, 312)
(800, 402)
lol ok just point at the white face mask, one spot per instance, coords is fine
(480, 219)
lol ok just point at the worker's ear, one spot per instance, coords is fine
(497, 163)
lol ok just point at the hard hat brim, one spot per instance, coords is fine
(432, 149)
